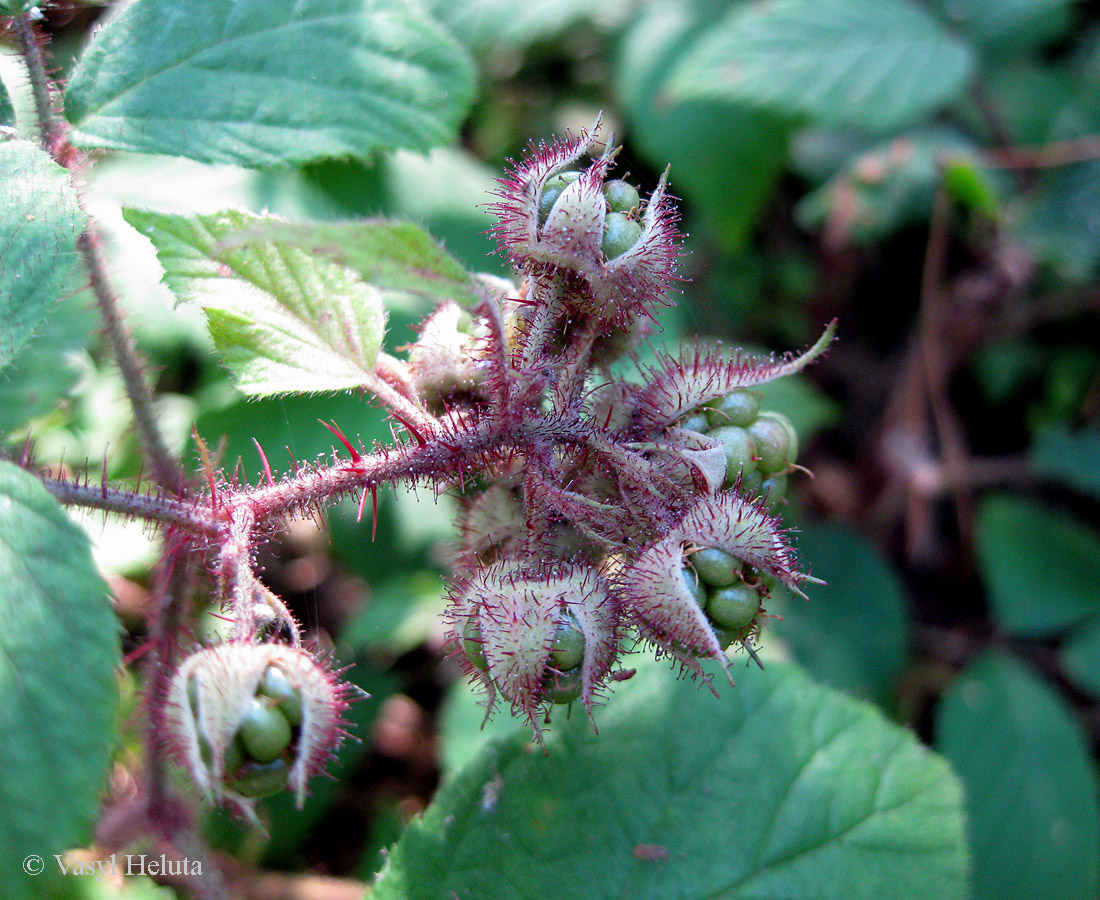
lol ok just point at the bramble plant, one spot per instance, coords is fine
(618, 588)
(590, 502)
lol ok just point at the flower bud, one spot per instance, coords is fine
(247, 719)
(540, 636)
(442, 362)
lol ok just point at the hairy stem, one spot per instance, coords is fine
(165, 468)
(543, 316)
(411, 413)
(173, 584)
(50, 128)
(188, 517)
(237, 581)
(575, 364)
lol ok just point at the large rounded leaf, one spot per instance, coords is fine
(1030, 785)
(874, 64)
(778, 789)
(58, 650)
(1040, 566)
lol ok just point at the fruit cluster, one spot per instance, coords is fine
(621, 228)
(257, 760)
(728, 591)
(760, 447)
(538, 636)
(248, 720)
(596, 510)
(562, 678)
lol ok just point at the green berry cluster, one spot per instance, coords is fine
(563, 679)
(760, 446)
(258, 759)
(621, 229)
(728, 591)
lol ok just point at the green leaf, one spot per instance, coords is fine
(269, 82)
(7, 111)
(494, 25)
(1007, 24)
(46, 367)
(1072, 458)
(58, 650)
(1040, 567)
(1062, 225)
(464, 730)
(1030, 788)
(779, 789)
(1037, 102)
(1080, 656)
(853, 634)
(39, 224)
(393, 256)
(873, 64)
(726, 156)
(285, 321)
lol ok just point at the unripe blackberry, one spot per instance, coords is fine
(552, 190)
(733, 607)
(620, 233)
(738, 407)
(740, 450)
(621, 196)
(775, 441)
(716, 567)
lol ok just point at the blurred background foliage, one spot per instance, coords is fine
(926, 172)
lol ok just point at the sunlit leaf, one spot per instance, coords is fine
(284, 320)
(269, 82)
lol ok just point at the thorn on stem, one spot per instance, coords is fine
(207, 465)
(410, 429)
(267, 467)
(342, 438)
